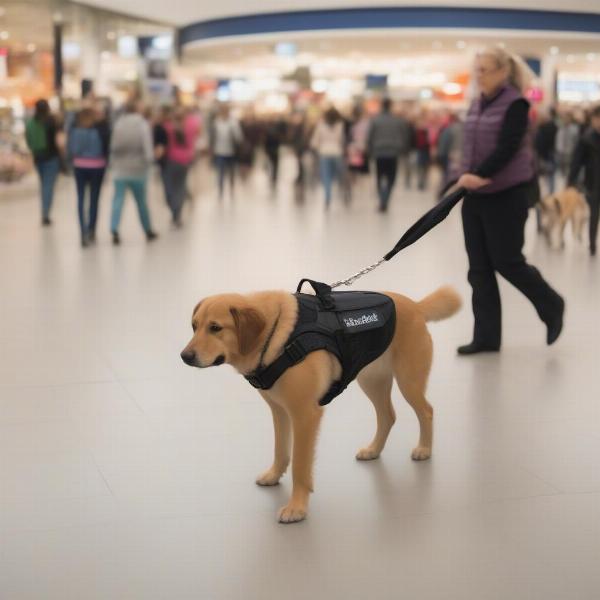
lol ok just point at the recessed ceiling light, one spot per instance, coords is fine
(461, 44)
(554, 50)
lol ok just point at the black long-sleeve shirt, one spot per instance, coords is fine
(514, 127)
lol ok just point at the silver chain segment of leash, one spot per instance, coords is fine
(358, 275)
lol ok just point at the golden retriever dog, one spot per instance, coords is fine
(236, 329)
(556, 210)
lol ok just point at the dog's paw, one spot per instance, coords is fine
(268, 478)
(421, 453)
(291, 513)
(367, 454)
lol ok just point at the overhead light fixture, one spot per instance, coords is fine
(554, 50)
(461, 44)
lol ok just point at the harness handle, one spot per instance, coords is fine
(322, 290)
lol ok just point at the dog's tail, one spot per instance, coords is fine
(443, 303)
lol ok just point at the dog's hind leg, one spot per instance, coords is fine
(283, 442)
(377, 385)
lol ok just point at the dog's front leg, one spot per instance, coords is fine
(305, 425)
(282, 433)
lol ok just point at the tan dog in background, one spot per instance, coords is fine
(556, 210)
(234, 329)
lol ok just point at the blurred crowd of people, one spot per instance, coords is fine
(334, 148)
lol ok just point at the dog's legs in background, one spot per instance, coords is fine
(378, 388)
(411, 375)
(283, 440)
(305, 426)
(563, 225)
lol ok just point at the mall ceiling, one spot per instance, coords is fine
(184, 12)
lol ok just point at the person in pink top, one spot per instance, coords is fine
(182, 132)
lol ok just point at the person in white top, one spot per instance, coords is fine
(225, 136)
(328, 141)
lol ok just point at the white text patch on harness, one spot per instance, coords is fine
(359, 320)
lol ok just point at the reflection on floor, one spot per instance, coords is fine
(126, 475)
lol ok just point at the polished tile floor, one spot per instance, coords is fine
(125, 475)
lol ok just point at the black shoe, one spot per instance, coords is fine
(116, 238)
(46, 221)
(151, 235)
(556, 324)
(592, 250)
(91, 237)
(476, 348)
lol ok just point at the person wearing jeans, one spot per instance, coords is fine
(87, 149)
(225, 135)
(41, 132)
(137, 186)
(131, 156)
(329, 142)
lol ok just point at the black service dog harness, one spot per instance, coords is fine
(357, 327)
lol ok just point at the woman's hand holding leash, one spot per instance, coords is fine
(471, 182)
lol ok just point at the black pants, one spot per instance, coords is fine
(273, 156)
(387, 168)
(594, 203)
(494, 227)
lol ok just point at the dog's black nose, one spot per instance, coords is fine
(189, 357)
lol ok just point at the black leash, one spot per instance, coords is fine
(427, 222)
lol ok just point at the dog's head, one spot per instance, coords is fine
(226, 328)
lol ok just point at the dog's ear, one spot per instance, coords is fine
(196, 308)
(557, 204)
(249, 324)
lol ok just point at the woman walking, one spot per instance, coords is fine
(88, 150)
(131, 156)
(181, 146)
(328, 141)
(41, 133)
(498, 170)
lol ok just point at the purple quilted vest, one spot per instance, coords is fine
(481, 132)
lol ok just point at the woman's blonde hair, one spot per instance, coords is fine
(519, 73)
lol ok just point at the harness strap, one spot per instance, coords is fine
(293, 353)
